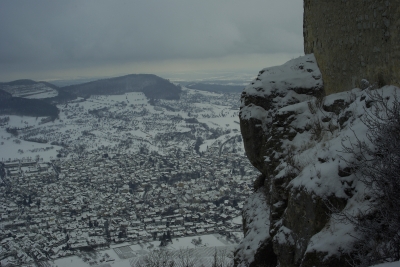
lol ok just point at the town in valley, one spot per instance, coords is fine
(122, 170)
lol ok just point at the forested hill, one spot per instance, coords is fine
(24, 106)
(151, 85)
(4, 95)
(31, 98)
(19, 82)
(30, 89)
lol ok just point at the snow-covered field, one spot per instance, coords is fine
(37, 91)
(12, 147)
(115, 256)
(123, 124)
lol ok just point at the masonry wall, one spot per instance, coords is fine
(354, 40)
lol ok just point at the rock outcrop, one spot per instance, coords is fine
(294, 135)
(296, 120)
(274, 88)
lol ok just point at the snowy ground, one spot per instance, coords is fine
(123, 123)
(115, 256)
(12, 147)
(36, 91)
(389, 264)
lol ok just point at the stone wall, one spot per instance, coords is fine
(354, 40)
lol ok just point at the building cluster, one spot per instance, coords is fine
(54, 209)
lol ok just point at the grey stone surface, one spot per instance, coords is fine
(354, 40)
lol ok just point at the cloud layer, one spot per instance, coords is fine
(46, 36)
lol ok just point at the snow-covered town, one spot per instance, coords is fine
(200, 133)
(66, 205)
(102, 175)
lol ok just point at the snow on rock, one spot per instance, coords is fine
(256, 226)
(255, 112)
(300, 75)
(296, 81)
(279, 86)
(296, 137)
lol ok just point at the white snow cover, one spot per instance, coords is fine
(252, 111)
(255, 112)
(203, 254)
(125, 117)
(281, 86)
(301, 72)
(256, 213)
(321, 176)
(284, 236)
(389, 264)
(320, 160)
(37, 91)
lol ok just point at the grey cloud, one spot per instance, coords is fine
(64, 34)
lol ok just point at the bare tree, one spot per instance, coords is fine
(184, 258)
(377, 164)
(222, 258)
(156, 258)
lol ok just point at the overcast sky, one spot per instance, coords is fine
(45, 40)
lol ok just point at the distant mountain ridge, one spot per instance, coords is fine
(30, 98)
(29, 89)
(10, 105)
(20, 82)
(4, 95)
(151, 85)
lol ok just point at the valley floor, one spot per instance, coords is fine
(115, 169)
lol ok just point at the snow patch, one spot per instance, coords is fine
(301, 72)
(256, 214)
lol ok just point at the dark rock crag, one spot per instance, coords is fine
(292, 134)
(295, 120)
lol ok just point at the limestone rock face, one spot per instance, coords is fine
(354, 40)
(294, 135)
(274, 88)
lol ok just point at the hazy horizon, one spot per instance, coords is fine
(173, 39)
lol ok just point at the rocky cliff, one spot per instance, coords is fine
(354, 40)
(294, 135)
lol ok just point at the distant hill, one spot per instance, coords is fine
(4, 95)
(37, 90)
(21, 82)
(151, 85)
(31, 98)
(27, 107)
(218, 88)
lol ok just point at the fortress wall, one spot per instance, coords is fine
(354, 40)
